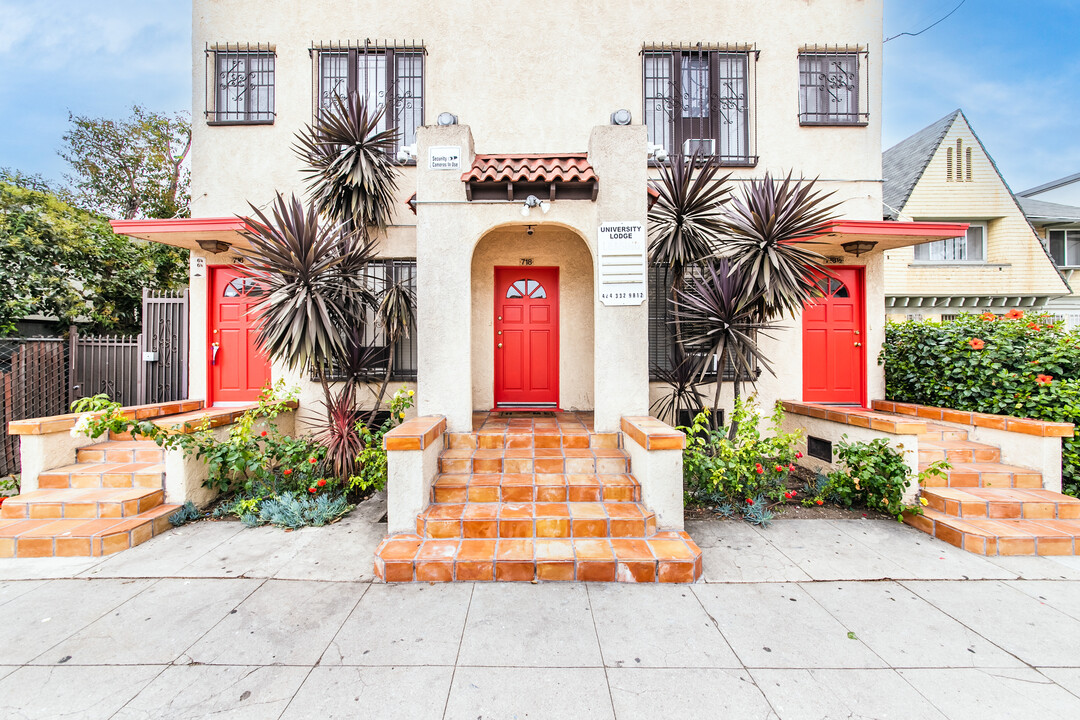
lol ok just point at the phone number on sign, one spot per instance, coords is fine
(622, 296)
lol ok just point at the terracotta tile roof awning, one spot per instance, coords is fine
(566, 176)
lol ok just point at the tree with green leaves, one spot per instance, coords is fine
(63, 262)
(130, 168)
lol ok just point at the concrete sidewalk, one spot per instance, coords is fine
(806, 619)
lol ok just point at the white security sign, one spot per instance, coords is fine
(444, 157)
(623, 268)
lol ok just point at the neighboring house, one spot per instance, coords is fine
(1063, 191)
(945, 173)
(492, 128)
(1059, 227)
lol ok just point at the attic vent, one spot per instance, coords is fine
(967, 164)
(948, 164)
(958, 165)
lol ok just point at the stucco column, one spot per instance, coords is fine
(443, 281)
(619, 156)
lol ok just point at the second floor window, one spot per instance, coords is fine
(968, 248)
(390, 77)
(243, 86)
(829, 89)
(699, 101)
(1065, 247)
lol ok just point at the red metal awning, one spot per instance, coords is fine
(185, 232)
(885, 234)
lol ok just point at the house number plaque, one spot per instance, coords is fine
(622, 266)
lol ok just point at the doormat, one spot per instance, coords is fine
(524, 413)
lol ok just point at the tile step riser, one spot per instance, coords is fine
(992, 455)
(89, 482)
(513, 530)
(529, 493)
(88, 455)
(1006, 511)
(103, 544)
(486, 441)
(1021, 483)
(991, 545)
(79, 511)
(542, 466)
(945, 435)
(644, 571)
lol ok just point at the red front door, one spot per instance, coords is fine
(238, 370)
(527, 337)
(834, 354)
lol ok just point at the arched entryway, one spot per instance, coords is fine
(532, 319)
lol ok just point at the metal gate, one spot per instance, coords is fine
(33, 383)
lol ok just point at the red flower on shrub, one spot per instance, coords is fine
(791, 467)
(1044, 379)
(749, 501)
(321, 482)
(976, 344)
(312, 460)
(988, 316)
(820, 502)
(794, 493)
(263, 433)
(779, 468)
(1013, 314)
(1034, 326)
(759, 469)
(287, 471)
(798, 455)
(311, 490)
(787, 495)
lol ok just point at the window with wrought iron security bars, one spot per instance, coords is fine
(701, 98)
(240, 84)
(834, 86)
(382, 272)
(662, 330)
(389, 74)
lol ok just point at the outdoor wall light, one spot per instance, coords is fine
(447, 119)
(533, 201)
(406, 153)
(213, 246)
(621, 116)
(658, 153)
(858, 247)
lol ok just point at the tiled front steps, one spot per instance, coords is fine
(112, 499)
(990, 508)
(537, 499)
(664, 557)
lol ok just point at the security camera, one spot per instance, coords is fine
(528, 229)
(661, 155)
(402, 157)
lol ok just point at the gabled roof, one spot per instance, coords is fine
(904, 163)
(1042, 211)
(1052, 185)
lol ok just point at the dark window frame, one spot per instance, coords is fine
(1064, 239)
(404, 104)
(662, 329)
(821, 84)
(924, 249)
(730, 89)
(215, 57)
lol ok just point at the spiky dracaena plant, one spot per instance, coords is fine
(686, 221)
(682, 379)
(397, 315)
(351, 176)
(767, 229)
(722, 318)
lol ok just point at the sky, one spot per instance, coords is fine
(1013, 67)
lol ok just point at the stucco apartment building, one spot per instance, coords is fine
(528, 138)
(944, 172)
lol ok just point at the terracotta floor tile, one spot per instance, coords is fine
(515, 571)
(589, 528)
(480, 528)
(547, 441)
(640, 571)
(445, 512)
(517, 479)
(519, 440)
(555, 570)
(432, 571)
(670, 549)
(596, 571)
(623, 510)
(517, 493)
(457, 453)
(575, 441)
(579, 465)
(585, 549)
(551, 493)
(481, 511)
(399, 549)
(549, 465)
(676, 571)
(487, 465)
(514, 549)
(552, 510)
(631, 549)
(28, 547)
(516, 528)
(584, 493)
(442, 528)
(553, 549)
(474, 570)
(437, 550)
(491, 441)
(482, 494)
(587, 510)
(628, 528)
(583, 480)
(459, 494)
(476, 550)
(515, 511)
(552, 527)
(518, 465)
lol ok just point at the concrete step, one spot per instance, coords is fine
(984, 474)
(1003, 503)
(528, 520)
(104, 475)
(986, 536)
(957, 451)
(535, 460)
(670, 557)
(85, 504)
(121, 451)
(81, 537)
(521, 487)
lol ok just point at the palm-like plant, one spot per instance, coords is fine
(684, 396)
(397, 316)
(352, 177)
(766, 231)
(686, 221)
(722, 319)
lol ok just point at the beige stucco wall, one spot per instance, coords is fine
(1016, 264)
(546, 247)
(580, 62)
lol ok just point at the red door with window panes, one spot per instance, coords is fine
(527, 337)
(834, 352)
(238, 369)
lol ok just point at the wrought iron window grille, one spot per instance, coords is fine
(834, 85)
(390, 74)
(662, 330)
(381, 272)
(240, 84)
(702, 98)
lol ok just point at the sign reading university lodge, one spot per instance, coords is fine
(622, 261)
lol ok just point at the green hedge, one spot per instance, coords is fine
(1022, 364)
